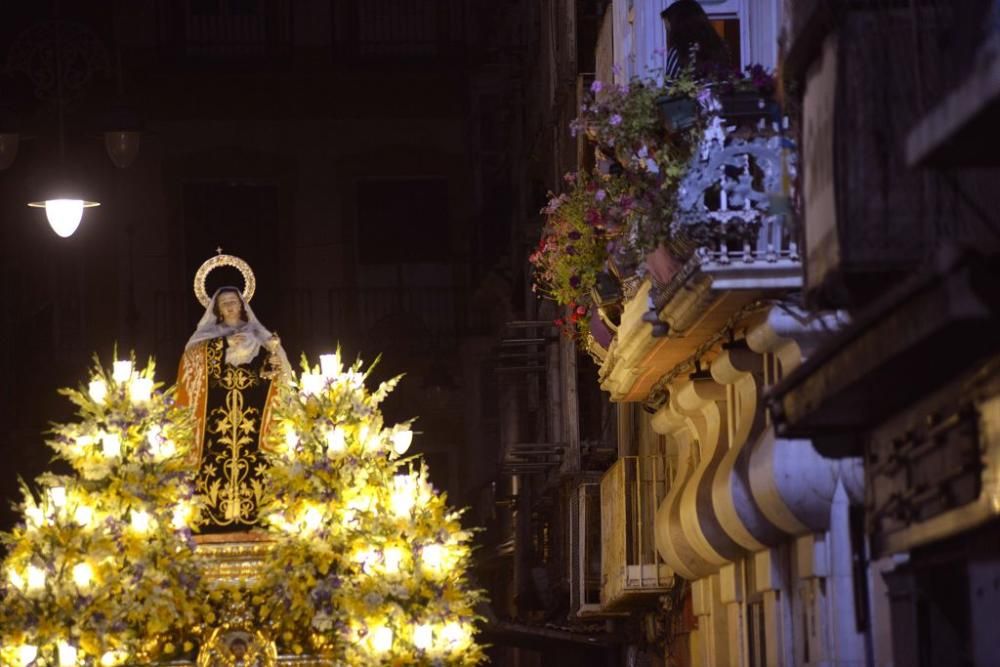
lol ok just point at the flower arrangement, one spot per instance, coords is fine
(370, 562)
(101, 569)
(366, 562)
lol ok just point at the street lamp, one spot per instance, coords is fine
(64, 215)
(60, 58)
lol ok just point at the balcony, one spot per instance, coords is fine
(731, 248)
(632, 572)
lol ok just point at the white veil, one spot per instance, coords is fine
(241, 349)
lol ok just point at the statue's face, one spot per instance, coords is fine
(238, 648)
(230, 308)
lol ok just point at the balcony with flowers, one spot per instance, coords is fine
(679, 228)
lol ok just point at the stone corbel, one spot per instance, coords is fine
(791, 334)
(671, 542)
(702, 401)
(792, 484)
(620, 369)
(740, 372)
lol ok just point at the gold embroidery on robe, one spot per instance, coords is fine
(232, 410)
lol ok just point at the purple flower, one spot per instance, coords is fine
(600, 195)
(574, 235)
(570, 250)
(596, 87)
(615, 120)
(574, 281)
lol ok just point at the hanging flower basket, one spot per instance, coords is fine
(677, 112)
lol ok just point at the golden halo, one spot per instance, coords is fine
(249, 282)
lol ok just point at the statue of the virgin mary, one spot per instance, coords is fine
(229, 373)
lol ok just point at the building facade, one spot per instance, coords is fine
(756, 509)
(911, 384)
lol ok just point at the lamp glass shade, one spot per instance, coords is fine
(64, 215)
(122, 147)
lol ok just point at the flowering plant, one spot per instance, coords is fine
(369, 563)
(753, 79)
(625, 124)
(102, 568)
(573, 247)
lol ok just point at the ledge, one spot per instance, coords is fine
(914, 339)
(637, 360)
(960, 129)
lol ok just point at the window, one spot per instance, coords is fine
(729, 30)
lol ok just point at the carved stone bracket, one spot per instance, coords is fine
(738, 488)
(792, 484)
(699, 405)
(740, 372)
(672, 543)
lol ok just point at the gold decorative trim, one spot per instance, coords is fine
(249, 282)
(231, 561)
(236, 645)
(240, 538)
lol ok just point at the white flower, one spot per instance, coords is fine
(322, 621)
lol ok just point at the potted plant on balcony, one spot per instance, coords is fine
(748, 96)
(648, 130)
(573, 249)
(678, 105)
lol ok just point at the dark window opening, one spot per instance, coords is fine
(729, 31)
